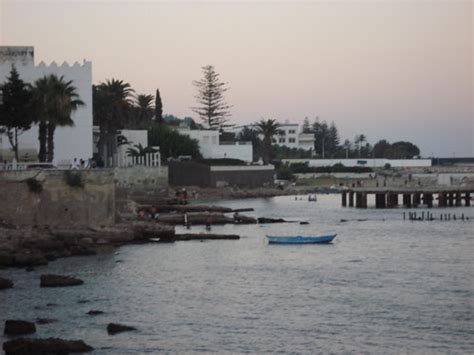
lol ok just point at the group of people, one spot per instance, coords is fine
(82, 164)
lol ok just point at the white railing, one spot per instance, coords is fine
(149, 160)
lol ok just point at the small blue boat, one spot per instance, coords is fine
(299, 239)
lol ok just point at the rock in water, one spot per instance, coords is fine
(94, 312)
(59, 281)
(19, 327)
(5, 283)
(45, 346)
(114, 328)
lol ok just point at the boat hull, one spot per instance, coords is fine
(322, 239)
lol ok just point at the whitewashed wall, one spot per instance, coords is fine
(70, 142)
(371, 163)
(210, 147)
(242, 151)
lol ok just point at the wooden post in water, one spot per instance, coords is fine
(458, 199)
(428, 199)
(380, 200)
(467, 199)
(344, 198)
(363, 200)
(392, 199)
(358, 200)
(416, 199)
(451, 199)
(407, 200)
(442, 199)
(351, 198)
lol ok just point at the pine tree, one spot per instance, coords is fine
(213, 109)
(16, 109)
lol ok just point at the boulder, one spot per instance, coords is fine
(5, 283)
(59, 281)
(19, 327)
(114, 328)
(45, 346)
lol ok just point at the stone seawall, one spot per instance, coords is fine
(50, 200)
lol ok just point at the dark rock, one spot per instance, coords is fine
(45, 346)
(5, 283)
(30, 269)
(45, 320)
(51, 304)
(270, 220)
(114, 328)
(83, 301)
(19, 327)
(203, 236)
(59, 281)
(94, 312)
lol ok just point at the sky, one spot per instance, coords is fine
(395, 70)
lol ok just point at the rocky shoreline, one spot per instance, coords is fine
(28, 247)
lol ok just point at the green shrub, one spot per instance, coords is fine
(73, 179)
(34, 185)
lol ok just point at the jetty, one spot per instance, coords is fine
(391, 197)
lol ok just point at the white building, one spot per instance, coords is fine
(70, 142)
(289, 136)
(211, 148)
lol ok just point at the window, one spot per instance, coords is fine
(291, 131)
(205, 139)
(292, 140)
(281, 140)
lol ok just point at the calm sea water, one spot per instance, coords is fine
(384, 286)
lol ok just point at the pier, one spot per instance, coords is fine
(408, 197)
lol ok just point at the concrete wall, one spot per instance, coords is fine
(141, 184)
(189, 173)
(58, 205)
(196, 174)
(370, 163)
(70, 142)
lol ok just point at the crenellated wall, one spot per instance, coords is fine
(70, 142)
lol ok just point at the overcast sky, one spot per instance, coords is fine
(399, 70)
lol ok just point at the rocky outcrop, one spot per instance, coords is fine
(26, 346)
(114, 328)
(59, 281)
(262, 220)
(5, 283)
(19, 327)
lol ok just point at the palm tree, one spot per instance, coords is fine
(267, 128)
(145, 110)
(111, 103)
(55, 100)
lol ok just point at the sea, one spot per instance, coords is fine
(385, 285)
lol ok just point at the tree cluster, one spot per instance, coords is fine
(49, 103)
